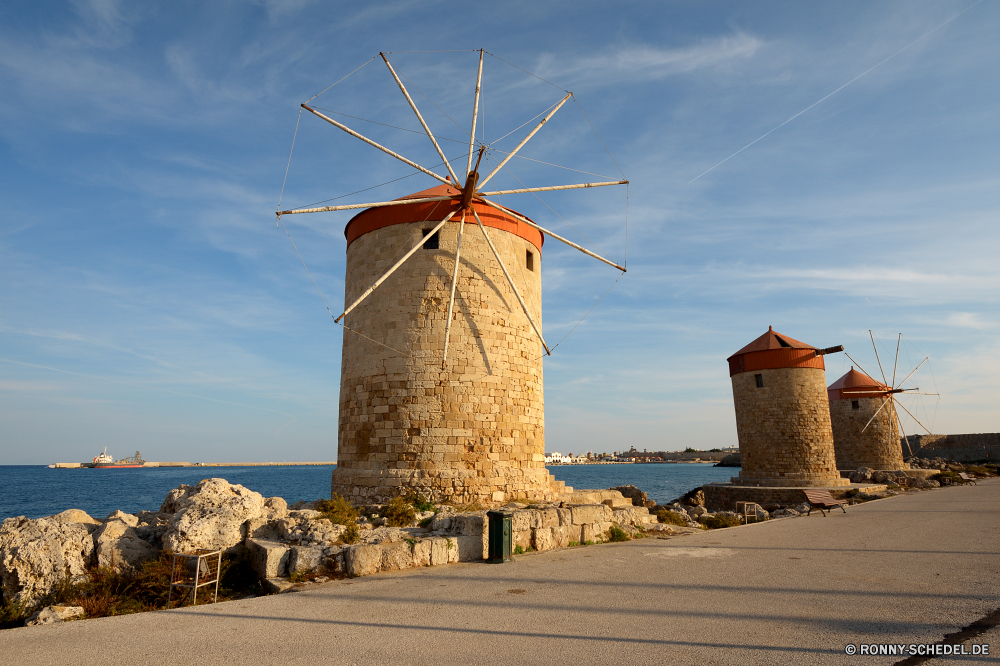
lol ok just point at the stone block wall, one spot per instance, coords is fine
(876, 446)
(464, 537)
(472, 430)
(784, 429)
(975, 447)
(723, 497)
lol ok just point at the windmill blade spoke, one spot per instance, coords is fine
(876, 356)
(505, 211)
(908, 392)
(376, 145)
(551, 188)
(914, 418)
(857, 364)
(511, 281)
(475, 113)
(905, 438)
(884, 403)
(914, 370)
(396, 265)
(526, 139)
(896, 362)
(380, 204)
(454, 281)
(421, 119)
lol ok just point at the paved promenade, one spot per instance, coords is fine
(795, 591)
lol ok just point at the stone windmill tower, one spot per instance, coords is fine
(441, 383)
(864, 434)
(782, 414)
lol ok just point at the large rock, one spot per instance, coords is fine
(304, 558)
(36, 555)
(363, 560)
(76, 516)
(268, 558)
(176, 498)
(126, 518)
(732, 460)
(319, 532)
(861, 475)
(120, 547)
(638, 497)
(213, 515)
(53, 614)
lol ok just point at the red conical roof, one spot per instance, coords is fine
(774, 350)
(772, 340)
(371, 219)
(855, 384)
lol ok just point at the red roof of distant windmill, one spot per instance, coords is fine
(855, 384)
(371, 219)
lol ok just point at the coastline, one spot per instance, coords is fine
(62, 465)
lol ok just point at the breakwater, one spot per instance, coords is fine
(974, 447)
(62, 465)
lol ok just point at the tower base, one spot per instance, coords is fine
(459, 486)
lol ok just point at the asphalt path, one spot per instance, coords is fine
(907, 570)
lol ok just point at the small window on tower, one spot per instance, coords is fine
(760, 380)
(432, 242)
(855, 405)
(529, 260)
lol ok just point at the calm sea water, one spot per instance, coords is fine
(36, 491)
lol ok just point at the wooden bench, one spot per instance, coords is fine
(968, 478)
(822, 499)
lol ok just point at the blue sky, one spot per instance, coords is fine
(147, 300)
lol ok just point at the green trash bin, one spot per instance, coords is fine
(500, 536)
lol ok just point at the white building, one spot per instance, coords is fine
(556, 457)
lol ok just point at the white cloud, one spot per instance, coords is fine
(968, 320)
(649, 63)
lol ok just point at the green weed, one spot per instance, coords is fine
(615, 534)
(351, 535)
(398, 513)
(338, 510)
(419, 502)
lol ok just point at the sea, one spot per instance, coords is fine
(35, 490)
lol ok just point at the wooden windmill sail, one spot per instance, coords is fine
(887, 391)
(467, 426)
(461, 202)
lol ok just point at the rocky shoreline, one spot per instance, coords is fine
(285, 547)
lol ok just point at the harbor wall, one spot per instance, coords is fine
(62, 465)
(973, 447)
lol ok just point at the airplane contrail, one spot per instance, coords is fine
(835, 91)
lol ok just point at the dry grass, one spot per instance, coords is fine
(106, 592)
(718, 522)
(670, 518)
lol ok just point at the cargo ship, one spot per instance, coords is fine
(105, 461)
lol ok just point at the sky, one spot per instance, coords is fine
(826, 169)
